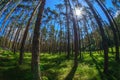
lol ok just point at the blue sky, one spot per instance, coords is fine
(109, 3)
(52, 3)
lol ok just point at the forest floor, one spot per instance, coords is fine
(57, 67)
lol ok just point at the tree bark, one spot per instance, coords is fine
(102, 33)
(5, 7)
(75, 38)
(25, 36)
(68, 31)
(35, 44)
(113, 29)
(9, 15)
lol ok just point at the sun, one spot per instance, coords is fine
(78, 12)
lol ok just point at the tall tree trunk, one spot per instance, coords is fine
(15, 40)
(6, 37)
(9, 15)
(75, 38)
(88, 36)
(112, 27)
(25, 35)
(35, 44)
(104, 40)
(5, 7)
(11, 37)
(68, 30)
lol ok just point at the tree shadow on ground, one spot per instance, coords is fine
(71, 74)
(54, 62)
(114, 70)
(51, 66)
(50, 75)
(9, 69)
(113, 73)
(17, 73)
(98, 68)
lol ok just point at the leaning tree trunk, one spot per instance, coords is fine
(35, 44)
(25, 36)
(68, 30)
(75, 38)
(5, 7)
(15, 39)
(88, 36)
(7, 36)
(104, 40)
(113, 29)
(3, 24)
(11, 36)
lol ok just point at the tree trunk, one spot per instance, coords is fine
(113, 29)
(102, 33)
(25, 36)
(9, 15)
(5, 7)
(75, 38)
(35, 44)
(15, 39)
(68, 31)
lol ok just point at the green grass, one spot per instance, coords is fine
(57, 67)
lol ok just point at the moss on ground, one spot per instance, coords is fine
(57, 67)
